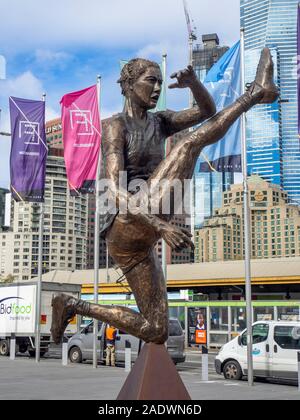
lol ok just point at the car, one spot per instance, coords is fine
(275, 348)
(80, 345)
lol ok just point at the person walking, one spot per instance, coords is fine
(110, 336)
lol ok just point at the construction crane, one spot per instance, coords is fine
(192, 38)
(191, 31)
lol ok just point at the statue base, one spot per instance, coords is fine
(153, 377)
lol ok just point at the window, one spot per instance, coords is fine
(174, 328)
(219, 318)
(288, 313)
(238, 318)
(287, 337)
(260, 333)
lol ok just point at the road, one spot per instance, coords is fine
(25, 379)
(192, 362)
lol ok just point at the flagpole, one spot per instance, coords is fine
(247, 234)
(163, 243)
(39, 282)
(96, 241)
(192, 183)
(107, 266)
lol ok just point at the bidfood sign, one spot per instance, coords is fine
(17, 309)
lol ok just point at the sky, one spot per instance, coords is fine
(60, 46)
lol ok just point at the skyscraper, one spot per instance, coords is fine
(208, 186)
(272, 133)
(3, 193)
(275, 225)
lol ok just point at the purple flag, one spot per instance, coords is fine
(28, 149)
(298, 66)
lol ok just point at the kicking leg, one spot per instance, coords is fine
(181, 161)
(142, 269)
(65, 307)
(146, 280)
(143, 272)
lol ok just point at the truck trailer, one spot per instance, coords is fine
(18, 315)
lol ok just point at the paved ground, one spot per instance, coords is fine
(25, 379)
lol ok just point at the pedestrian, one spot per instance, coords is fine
(110, 335)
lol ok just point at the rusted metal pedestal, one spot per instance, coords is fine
(153, 377)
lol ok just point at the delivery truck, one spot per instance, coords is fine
(18, 315)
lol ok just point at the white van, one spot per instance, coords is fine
(275, 348)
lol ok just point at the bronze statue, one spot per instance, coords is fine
(133, 141)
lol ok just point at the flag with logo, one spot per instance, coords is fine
(28, 149)
(81, 138)
(223, 81)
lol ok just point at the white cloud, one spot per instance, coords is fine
(111, 24)
(25, 86)
(149, 28)
(4, 121)
(48, 58)
(2, 67)
(50, 113)
(177, 54)
(4, 161)
(4, 148)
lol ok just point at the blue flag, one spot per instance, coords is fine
(223, 82)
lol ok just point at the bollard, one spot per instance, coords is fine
(127, 356)
(12, 347)
(298, 354)
(65, 352)
(204, 363)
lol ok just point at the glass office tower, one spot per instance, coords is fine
(209, 188)
(272, 130)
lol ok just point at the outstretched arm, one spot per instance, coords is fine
(205, 108)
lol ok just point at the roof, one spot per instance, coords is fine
(263, 271)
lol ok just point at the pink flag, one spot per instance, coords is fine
(81, 137)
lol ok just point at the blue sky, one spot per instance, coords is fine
(60, 46)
